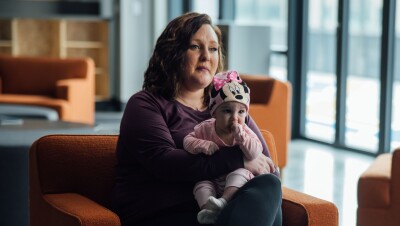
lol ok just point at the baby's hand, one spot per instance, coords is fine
(212, 148)
(237, 130)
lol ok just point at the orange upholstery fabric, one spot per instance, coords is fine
(65, 85)
(71, 177)
(379, 192)
(270, 107)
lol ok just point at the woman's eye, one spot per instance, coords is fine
(194, 47)
(213, 49)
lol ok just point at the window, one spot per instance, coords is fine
(363, 84)
(395, 142)
(321, 75)
(274, 14)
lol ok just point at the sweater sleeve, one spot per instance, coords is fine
(145, 140)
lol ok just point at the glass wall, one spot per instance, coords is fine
(360, 108)
(363, 84)
(210, 7)
(321, 73)
(395, 142)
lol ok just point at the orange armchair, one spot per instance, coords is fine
(379, 192)
(71, 177)
(270, 107)
(65, 85)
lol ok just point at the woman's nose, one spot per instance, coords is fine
(205, 55)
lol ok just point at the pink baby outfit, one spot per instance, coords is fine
(203, 134)
(226, 87)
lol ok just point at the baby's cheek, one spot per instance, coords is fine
(241, 120)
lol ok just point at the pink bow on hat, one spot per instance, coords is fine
(221, 79)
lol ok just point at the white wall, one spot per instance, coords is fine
(141, 21)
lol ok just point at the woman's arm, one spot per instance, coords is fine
(262, 164)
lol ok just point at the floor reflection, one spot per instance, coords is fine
(327, 173)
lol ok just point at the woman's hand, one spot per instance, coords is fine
(260, 165)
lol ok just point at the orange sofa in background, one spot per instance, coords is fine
(379, 192)
(270, 107)
(71, 178)
(65, 85)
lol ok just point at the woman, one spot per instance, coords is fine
(155, 176)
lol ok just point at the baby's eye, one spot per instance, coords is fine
(226, 111)
(242, 112)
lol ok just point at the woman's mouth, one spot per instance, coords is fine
(202, 68)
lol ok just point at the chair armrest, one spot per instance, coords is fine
(373, 188)
(302, 209)
(269, 139)
(74, 209)
(79, 93)
(395, 177)
(68, 89)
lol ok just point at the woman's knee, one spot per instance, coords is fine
(267, 181)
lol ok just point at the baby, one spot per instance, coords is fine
(229, 106)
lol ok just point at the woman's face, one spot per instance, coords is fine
(201, 59)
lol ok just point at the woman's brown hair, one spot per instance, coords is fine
(163, 77)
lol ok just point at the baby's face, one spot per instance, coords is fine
(229, 114)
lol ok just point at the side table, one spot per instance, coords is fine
(15, 141)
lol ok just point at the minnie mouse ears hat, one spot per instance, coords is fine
(228, 86)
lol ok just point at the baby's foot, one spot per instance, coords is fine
(206, 216)
(216, 204)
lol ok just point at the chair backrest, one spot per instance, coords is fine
(270, 107)
(83, 164)
(38, 75)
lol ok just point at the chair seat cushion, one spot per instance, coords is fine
(374, 184)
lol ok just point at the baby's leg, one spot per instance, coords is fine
(202, 190)
(234, 181)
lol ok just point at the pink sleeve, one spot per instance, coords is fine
(194, 145)
(196, 141)
(249, 143)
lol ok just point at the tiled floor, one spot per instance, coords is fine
(327, 173)
(315, 169)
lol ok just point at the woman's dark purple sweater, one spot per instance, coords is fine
(154, 173)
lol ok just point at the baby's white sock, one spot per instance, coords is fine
(216, 204)
(206, 216)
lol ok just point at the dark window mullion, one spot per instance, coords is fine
(297, 61)
(387, 68)
(341, 70)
